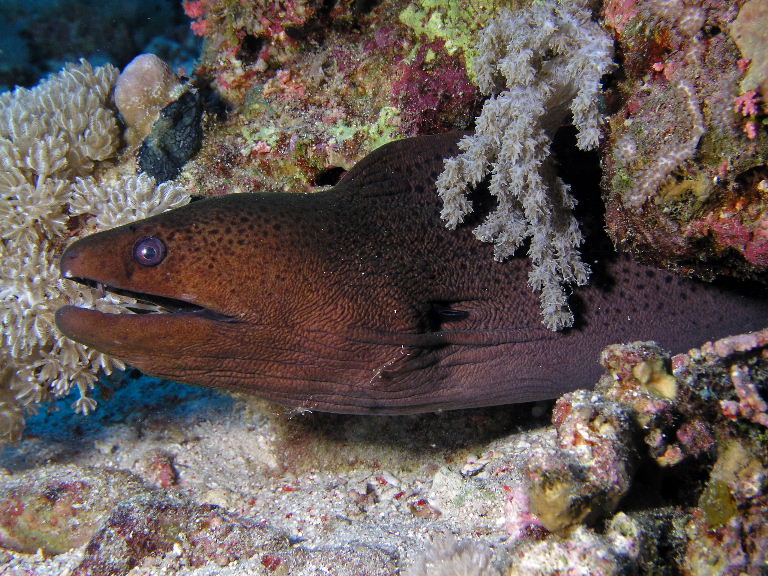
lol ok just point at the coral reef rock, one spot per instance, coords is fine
(685, 172)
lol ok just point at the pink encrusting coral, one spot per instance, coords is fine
(748, 104)
(196, 10)
(246, 37)
(751, 404)
(741, 226)
(519, 520)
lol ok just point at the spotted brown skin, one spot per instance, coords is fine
(359, 300)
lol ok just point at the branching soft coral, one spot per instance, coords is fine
(538, 65)
(55, 187)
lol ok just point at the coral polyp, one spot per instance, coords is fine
(58, 183)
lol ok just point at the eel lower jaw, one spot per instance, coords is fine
(137, 339)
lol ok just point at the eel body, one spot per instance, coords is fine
(359, 300)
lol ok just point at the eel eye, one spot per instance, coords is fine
(149, 251)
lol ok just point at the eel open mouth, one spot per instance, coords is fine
(136, 327)
(142, 303)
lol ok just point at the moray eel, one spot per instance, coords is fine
(358, 299)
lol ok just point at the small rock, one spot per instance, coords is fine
(145, 86)
(57, 508)
(156, 524)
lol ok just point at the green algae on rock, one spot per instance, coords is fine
(458, 24)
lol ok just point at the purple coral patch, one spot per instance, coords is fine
(433, 92)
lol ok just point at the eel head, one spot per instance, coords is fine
(160, 263)
(193, 268)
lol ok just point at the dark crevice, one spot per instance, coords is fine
(250, 48)
(329, 177)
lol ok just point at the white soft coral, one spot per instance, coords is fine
(538, 65)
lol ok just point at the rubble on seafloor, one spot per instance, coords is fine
(651, 472)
